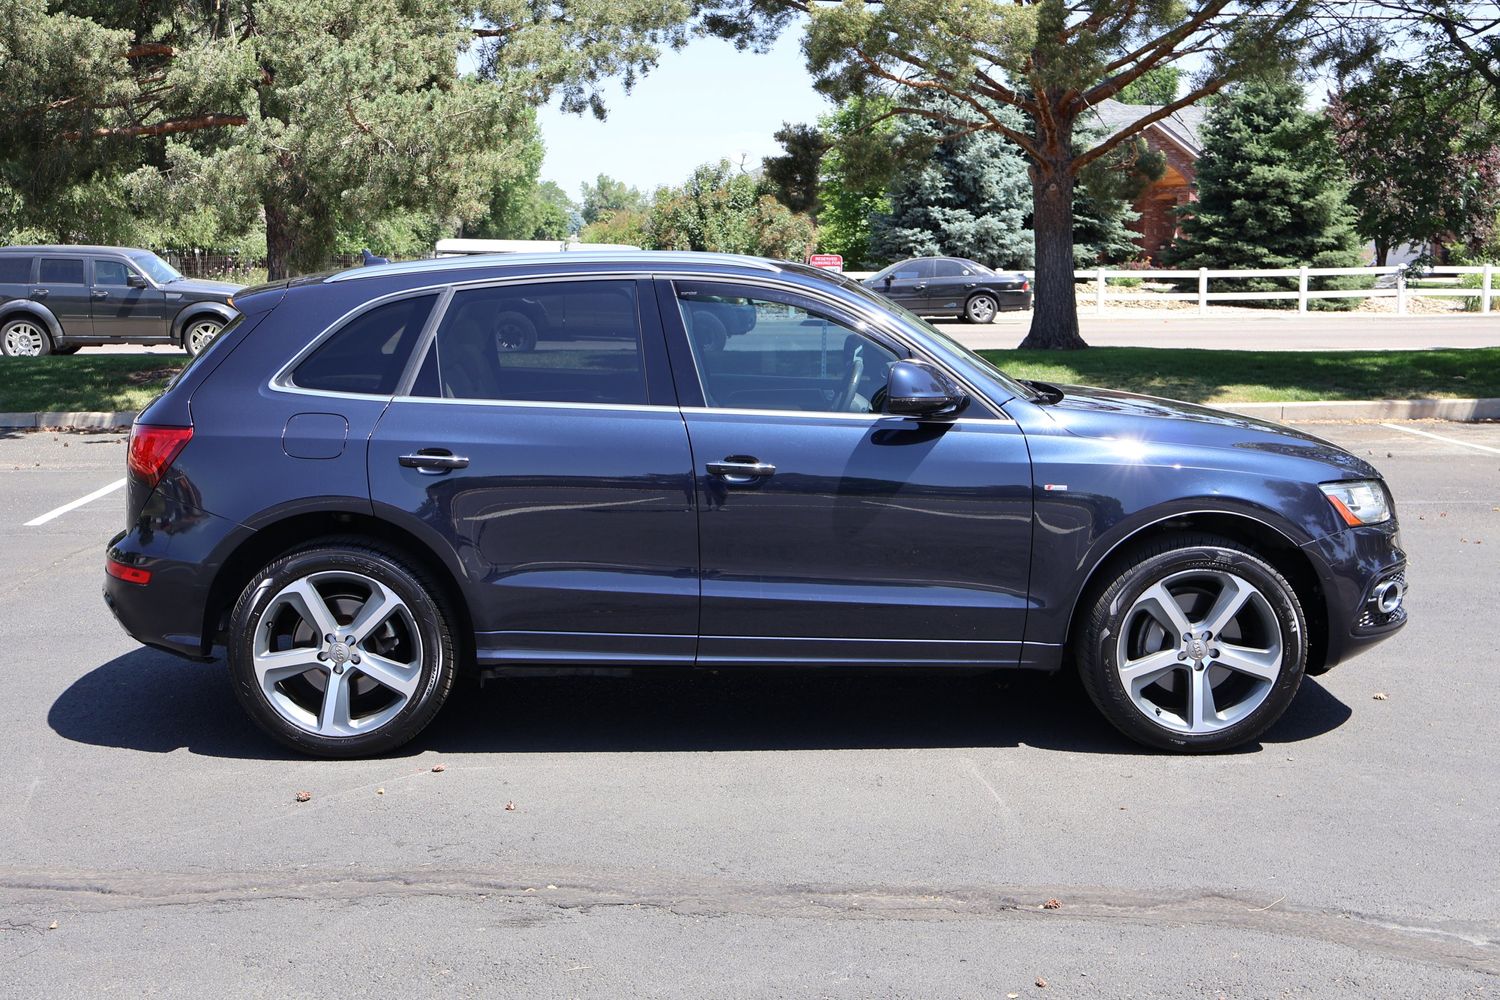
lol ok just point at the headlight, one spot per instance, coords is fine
(1359, 501)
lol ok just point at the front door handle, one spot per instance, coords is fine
(99, 293)
(739, 469)
(434, 461)
(39, 293)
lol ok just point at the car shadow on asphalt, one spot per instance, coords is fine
(151, 702)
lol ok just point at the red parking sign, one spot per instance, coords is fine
(832, 261)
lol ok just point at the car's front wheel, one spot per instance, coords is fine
(199, 334)
(341, 649)
(24, 337)
(1197, 645)
(981, 308)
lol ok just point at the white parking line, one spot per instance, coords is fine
(1445, 440)
(103, 491)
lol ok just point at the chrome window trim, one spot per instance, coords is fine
(860, 418)
(282, 380)
(470, 261)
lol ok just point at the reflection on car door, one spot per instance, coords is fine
(62, 287)
(123, 312)
(830, 533)
(560, 476)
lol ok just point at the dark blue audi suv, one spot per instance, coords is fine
(374, 481)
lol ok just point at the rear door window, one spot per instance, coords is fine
(547, 341)
(15, 269)
(369, 352)
(61, 271)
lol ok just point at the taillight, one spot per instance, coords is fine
(154, 449)
(1026, 286)
(130, 574)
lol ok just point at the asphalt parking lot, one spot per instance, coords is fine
(754, 835)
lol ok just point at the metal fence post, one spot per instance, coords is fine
(1302, 289)
(1401, 290)
(1202, 291)
(1099, 291)
(1489, 286)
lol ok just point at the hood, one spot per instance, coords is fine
(202, 289)
(1104, 413)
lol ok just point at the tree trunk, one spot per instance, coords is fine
(1382, 252)
(1054, 313)
(278, 241)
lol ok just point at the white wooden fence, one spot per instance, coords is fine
(1401, 289)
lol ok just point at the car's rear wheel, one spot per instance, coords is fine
(514, 331)
(1197, 645)
(341, 649)
(199, 334)
(24, 337)
(70, 349)
(981, 308)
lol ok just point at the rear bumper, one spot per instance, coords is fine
(171, 611)
(1352, 565)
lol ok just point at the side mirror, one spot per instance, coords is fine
(916, 389)
(888, 279)
(135, 280)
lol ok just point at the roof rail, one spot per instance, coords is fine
(507, 260)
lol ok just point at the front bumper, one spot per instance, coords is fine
(1352, 565)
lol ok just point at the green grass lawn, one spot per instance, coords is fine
(1265, 376)
(128, 382)
(83, 382)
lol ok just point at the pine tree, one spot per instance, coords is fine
(1272, 191)
(969, 197)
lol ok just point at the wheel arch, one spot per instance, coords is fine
(19, 307)
(197, 310)
(1273, 543)
(278, 535)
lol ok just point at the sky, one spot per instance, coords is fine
(701, 103)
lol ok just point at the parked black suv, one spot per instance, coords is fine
(54, 300)
(952, 286)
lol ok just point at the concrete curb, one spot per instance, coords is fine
(1343, 409)
(72, 421)
(1373, 409)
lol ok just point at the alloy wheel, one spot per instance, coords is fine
(981, 309)
(1199, 650)
(24, 339)
(337, 653)
(200, 334)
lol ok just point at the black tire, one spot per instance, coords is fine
(981, 308)
(392, 569)
(70, 349)
(34, 323)
(194, 341)
(1097, 638)
(514, 331)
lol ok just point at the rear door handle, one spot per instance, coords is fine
(738, 469)
(39, 293)
(434, 461)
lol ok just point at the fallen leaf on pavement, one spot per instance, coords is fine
(304, 796)
(1041, 982)
(439, 768)
(52, 926)
(1052, 904)
(1011, 996)
(1381, 696)
(510, 807)
(380, 791)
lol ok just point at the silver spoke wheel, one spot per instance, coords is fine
(1199, 650)
(199, 334)
(24, 339)
(981, 309)
(337, 653)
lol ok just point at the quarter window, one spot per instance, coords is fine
(109, 272)
(15, 270)
(769, 352)
(368, 353)
(61, 271)
(553, 341)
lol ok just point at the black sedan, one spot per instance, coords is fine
(951, 286)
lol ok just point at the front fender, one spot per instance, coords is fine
(197, 309)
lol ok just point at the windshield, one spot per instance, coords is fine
(1011, 386)
(159, 270)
